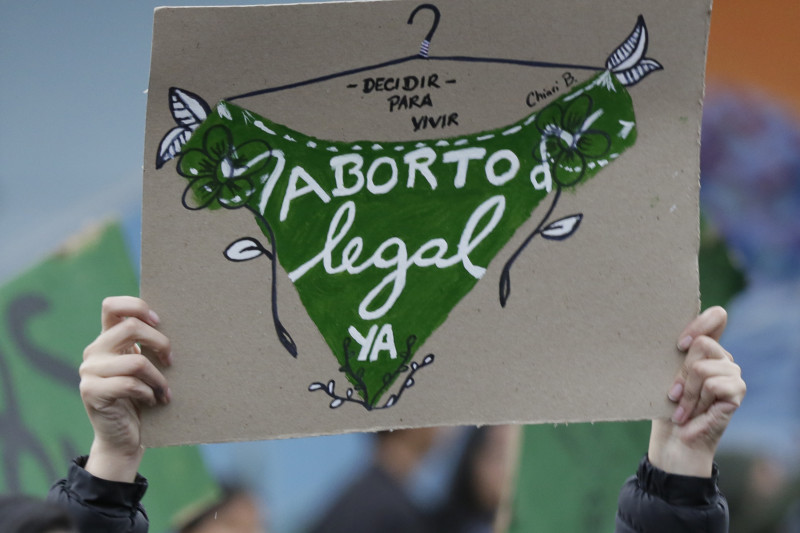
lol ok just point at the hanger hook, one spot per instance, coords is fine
(423, 50)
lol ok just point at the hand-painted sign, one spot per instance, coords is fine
(382, 234)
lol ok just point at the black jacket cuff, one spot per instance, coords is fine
(102, 492)
(676, 489)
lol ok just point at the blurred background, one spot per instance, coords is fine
(72, 107)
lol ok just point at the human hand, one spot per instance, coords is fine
(117, 380)
(707, 391)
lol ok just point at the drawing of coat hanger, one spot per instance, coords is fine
(628, 63)
(424, 54)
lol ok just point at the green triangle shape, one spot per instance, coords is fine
(383, 239)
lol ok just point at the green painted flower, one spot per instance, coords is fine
(568, 142)
(222, 172)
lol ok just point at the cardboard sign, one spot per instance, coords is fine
(344, 230)
(47, 317)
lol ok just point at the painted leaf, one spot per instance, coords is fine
(632, 49)
(562, 228)
(628, 61)
(171, 144)
(188, 109)
(634, 75)
(244, 249)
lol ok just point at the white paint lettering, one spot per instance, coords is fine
(271, 178)
(390, 183)
(364, 341)
(462, 158)
(468, 243)
(420, 161)
(546, 182)
(335, 236)
(509, 174)
(337, 164)
(392, 255)
(397, 279)
(385, 342)
(293, 192)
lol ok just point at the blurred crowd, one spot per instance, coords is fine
(750, 196)
(381, 497)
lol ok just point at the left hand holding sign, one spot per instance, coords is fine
(117, 379)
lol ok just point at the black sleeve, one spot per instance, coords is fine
(653, 501)
(98, 505)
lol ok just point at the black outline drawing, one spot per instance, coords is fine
(628, 63)
(189, 111)
(388, 379)
(249, 245)
(424, 54)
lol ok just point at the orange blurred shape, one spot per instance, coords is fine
(756, 43)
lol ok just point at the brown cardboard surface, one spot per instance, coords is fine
(589, 331)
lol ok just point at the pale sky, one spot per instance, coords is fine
(73, 80)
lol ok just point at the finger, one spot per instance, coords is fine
(710, 323)
(122, 337)
(711, 380)
(701, 347)
(728, 388)
(705, 359)
(132, 365)
(116, 308)
(98, 392)
(709, 426)
(688, 382)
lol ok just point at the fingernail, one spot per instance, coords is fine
(677, 416)
(154, 318)
(168, 395)
(674, 393)
(684, 343)
(169, 358)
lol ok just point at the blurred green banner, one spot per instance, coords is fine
(570, 475)
(47, 316)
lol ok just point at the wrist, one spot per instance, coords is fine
(114, 463)
(668, 452)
